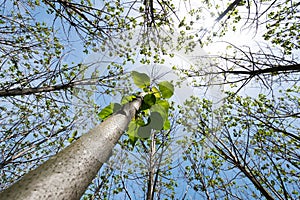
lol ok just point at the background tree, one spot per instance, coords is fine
(272, 56)
(237, 150)
(254, 150)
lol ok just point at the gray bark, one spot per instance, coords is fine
(67, 174)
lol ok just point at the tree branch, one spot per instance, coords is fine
(229, 8)
(29, 91)
(280, 68)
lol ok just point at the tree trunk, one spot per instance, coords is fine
(67, 174)
(151, 171)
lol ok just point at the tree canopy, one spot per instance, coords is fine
(63, 62)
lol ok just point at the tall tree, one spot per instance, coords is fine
(253, 151)
(238, 151)
(67, 174)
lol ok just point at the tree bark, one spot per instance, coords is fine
(151, 171)
(67, 174)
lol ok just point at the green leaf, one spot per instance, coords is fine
(166, 89)
(70, 140)
(160, 109)
(141, 80)
(144, 132)
(74, 134)
(167, 125)
(127, 99)
(160, 122)
(164, 104)
(132, 132)
(148, 101)
(156, 92)
(140, 122)
(156, 121)
(109, 110)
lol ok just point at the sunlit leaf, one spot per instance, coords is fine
(161, 122)
(166, 89)
(70, 140)
(109, 110)
(127, 99)
(167, 124)
(164, 104)
(141, 80)
(74, 134)
(156, 92)
(140, 122)
(160, 109)
(132, 132)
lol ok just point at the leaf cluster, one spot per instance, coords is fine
(153, 113)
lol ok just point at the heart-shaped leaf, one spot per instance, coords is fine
(160, 109)
(159, 113)
(127, 99)
(144, 132)
(164, 104)
(156, 121)
(141, 80)
(166, 89)
(132, 132)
